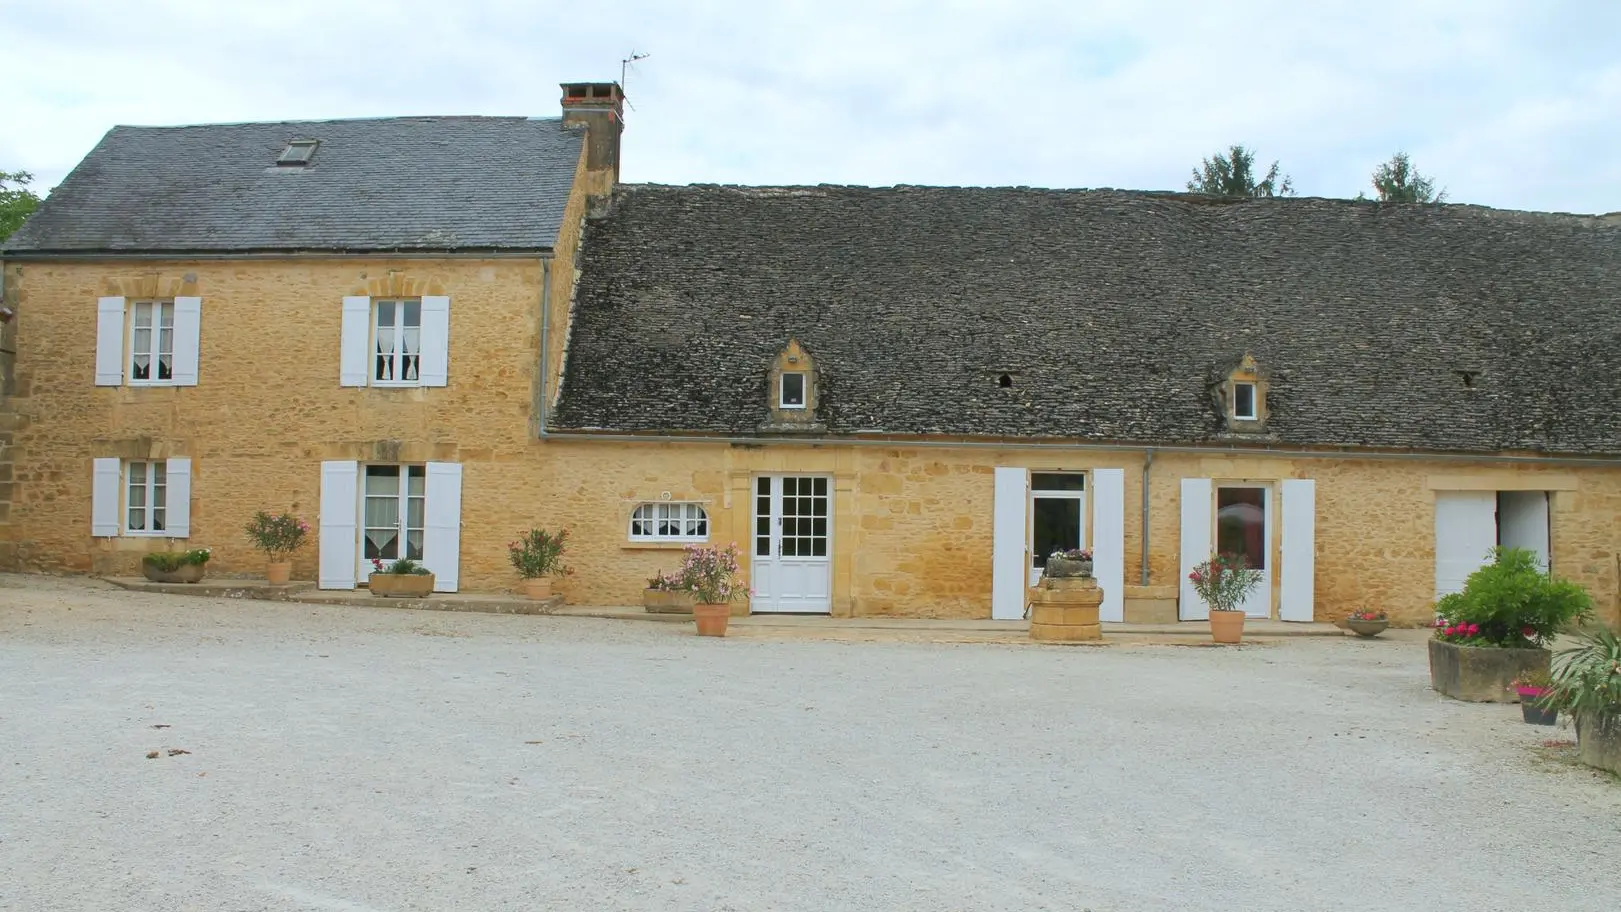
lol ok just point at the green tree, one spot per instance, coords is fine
(1397, 181)
(15, 204)
(1232, 173)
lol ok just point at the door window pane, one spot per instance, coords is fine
(1057, 522)
(1057, 481)
(1241, 524)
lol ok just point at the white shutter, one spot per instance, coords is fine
(109, 342)
(433, 369)
(188, 325)
(442, 532)
(354, 343)
(104, 497)
(177, 499)
(1465, 533)
(340, 509)
(1196, 532)
(1299, 550)
(1010, 565)
(1522, 520)
(1109, 540)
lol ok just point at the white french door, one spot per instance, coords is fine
(793, 529)
(1244, 528)
(1057, 517)
(393, 516)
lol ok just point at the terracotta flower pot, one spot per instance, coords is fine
(538, 588)
(712, 619)
(277, 573)
(1227, 626)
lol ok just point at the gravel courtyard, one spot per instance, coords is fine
(371, 759)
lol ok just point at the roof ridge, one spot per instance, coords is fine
(339, 120)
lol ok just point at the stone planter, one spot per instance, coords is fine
(1598, 741)
(1064, 568)
(400, 585)
(1481, 674)
(1227, 626)
(1366, 628)
(185, 573)
(1065, 610)
(668, 601)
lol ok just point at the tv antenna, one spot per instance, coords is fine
(625, 64)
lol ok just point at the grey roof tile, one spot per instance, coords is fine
(397, 183)
(1114, 311)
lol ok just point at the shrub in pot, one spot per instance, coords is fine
(404, 578)
(1586, 683)
(175, 566)
(712, 576)
(1222, 583)
(278, 535)
(537, 555)
(1498, 627)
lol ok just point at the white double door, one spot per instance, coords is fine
(793, 538)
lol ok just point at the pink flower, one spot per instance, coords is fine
(1474, 629)
(1450, 631)
(1529, 633)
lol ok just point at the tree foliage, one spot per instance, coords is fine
(1397, 181)
(1232, 173)
(16, 202)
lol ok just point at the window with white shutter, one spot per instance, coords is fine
(395, 341)
(148, 342)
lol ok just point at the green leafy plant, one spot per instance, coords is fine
(712, 574)
(170, 561)
(1587, 676)
(402, 567)
(278, 535)
(539, 553)
(1224, 581)
(1510, 603)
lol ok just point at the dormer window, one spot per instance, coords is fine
(793, 390)
(1244, 401)
(298, 153)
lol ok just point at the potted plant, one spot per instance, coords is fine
(1586, 683)
(175, 566)
(404, 578)
(278, 535)
(665, 595)
(1498, 627)
(1222, 583)
(1072, 563)
(1367, 622)
(711, 575)
(537, 555)
(1533, 687)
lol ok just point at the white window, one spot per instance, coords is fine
(146, 500)
(1244, 401)
(151, 342)
(793, 390)
(148, 343)
(396, 342)
(395, 512)
(669, 522)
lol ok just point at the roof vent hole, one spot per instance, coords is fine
(1005, 381)
(1468, 378)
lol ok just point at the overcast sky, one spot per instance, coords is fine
(1514, 104)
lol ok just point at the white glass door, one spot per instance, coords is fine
(393, 515)
(1057, 517)
(1244, 528)
(793, 526)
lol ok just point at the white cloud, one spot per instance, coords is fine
(1508, 104)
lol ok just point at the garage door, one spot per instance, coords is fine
(1465, 533)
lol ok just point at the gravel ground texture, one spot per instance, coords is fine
(361, 759)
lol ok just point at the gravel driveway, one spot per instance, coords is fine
(368, 759)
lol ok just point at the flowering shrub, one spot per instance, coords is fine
(538, 553)
(1531, 680)
(170, 561)
(1224, 581)
(1510, 603)
(1369, 614)
(711, 574)
(278, 535)
(402, 567)
(1074, 554)
(665, 582)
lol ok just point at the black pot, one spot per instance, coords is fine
(1536, 714)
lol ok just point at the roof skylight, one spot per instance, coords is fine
(298, 152)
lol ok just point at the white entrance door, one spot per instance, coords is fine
(1522, 522)
(1465, 533)
(1057, 517)
(793, 526)
(1244, 528)
(393, 514)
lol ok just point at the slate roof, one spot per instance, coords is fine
(397, 183)
(1114, 312)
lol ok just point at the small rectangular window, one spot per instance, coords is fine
(146, 497)
(396, 342)
(1244, 401)
(793, 390)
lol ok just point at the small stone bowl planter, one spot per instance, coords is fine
(1366, 629)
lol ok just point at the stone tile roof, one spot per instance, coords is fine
(397, 183)
(1440, 328)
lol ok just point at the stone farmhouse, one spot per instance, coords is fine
(428, 333)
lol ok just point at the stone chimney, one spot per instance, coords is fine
(601, 107)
